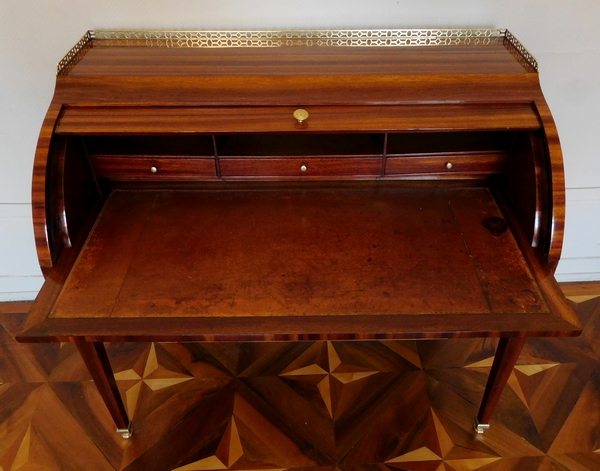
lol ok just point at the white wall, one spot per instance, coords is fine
(34, 36)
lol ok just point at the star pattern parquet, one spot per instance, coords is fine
(318, 406)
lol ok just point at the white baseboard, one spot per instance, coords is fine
(580, 259)
(578, 269)
(20, 288)
(20, 275)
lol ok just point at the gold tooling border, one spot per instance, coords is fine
(331, 38)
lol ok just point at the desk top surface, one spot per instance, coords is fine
(299, 263)
(297, 53)
(297, 60)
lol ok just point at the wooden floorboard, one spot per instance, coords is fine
(319, 406)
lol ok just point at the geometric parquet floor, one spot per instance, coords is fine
(314, 406)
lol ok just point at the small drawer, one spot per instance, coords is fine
(302, 168)
(153, 168)
(479, 163)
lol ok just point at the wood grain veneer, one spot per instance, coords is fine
(163, 119)
(153, 168)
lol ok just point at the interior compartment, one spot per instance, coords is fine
(508, 162)
(264, 145)
(446, 142)
(300, 144)
(151, 145)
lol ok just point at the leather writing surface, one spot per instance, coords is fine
(302, 252)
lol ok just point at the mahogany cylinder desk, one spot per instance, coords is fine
(298, 185)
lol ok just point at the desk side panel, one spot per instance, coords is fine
(555, 182)
(41, 187)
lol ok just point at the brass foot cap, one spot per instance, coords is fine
(126, 432)
(480, 428)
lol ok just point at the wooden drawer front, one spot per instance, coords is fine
(299, 167)
(479, 163)
(141, 168)
(159, 119)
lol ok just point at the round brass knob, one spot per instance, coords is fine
(448, 165)
(301, 115)
(303, 168)
(153, 169)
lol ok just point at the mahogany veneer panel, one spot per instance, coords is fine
(300, 60)
(138, 168)
(468, 163)
(163, 119)
(340, 253)
(326, 168)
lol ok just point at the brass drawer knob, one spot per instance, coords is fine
(301, 115)
(153, 169)
(448, 165)
(303, 168)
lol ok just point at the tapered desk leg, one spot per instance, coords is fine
(95, 358)
(507, 354)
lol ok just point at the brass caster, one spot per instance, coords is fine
(126, 432)
(480, 428)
